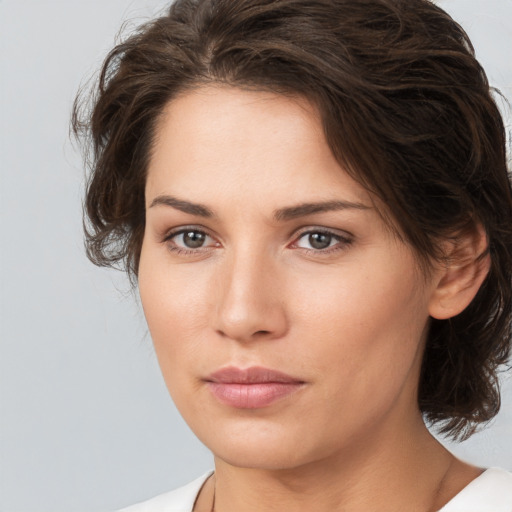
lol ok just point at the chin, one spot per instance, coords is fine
(261, 445)
(268, 458)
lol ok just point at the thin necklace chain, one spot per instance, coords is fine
(214, 492)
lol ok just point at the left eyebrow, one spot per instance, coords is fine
(301, 210)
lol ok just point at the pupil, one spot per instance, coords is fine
(193, 239)
(320, 240)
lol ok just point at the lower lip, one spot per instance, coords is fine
(252, 396)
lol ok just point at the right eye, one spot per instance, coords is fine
(189, 240)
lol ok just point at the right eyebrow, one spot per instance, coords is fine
(184, 206)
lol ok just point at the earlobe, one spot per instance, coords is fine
(465, 268)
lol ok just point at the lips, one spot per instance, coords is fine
(251, 388)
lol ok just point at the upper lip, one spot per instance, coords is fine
(252, 375)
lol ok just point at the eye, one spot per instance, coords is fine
(321, 241)
(189, 240)
(315, 240)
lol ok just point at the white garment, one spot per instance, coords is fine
(490, 492)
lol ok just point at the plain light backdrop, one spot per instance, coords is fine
(86, 424)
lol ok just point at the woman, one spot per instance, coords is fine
(312, 197)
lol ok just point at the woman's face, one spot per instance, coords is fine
(287, 319)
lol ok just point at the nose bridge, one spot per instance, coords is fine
(249, 305)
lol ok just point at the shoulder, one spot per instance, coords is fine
(490, 492)
(179, 500)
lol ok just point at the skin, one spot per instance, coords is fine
(349, 320)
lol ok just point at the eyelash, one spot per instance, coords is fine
(343, 241)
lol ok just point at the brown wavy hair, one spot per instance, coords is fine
(406, 109)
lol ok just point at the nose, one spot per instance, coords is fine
(250, 300)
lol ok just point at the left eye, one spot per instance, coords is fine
(317, 240)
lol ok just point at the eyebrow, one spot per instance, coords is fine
(182, 205)
(280, 215)
(301, 210)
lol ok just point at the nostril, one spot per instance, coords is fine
(256, 334)
(261, 333)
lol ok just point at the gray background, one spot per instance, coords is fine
(86, 423)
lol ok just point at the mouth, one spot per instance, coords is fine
(251, 388)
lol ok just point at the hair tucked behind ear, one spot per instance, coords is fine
(406, 109)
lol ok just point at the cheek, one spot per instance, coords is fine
(173, 300)
(368, 325)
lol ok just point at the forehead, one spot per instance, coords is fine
(222, 139)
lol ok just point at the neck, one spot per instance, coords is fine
(383, 472)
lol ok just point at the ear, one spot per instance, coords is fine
(458, 280)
